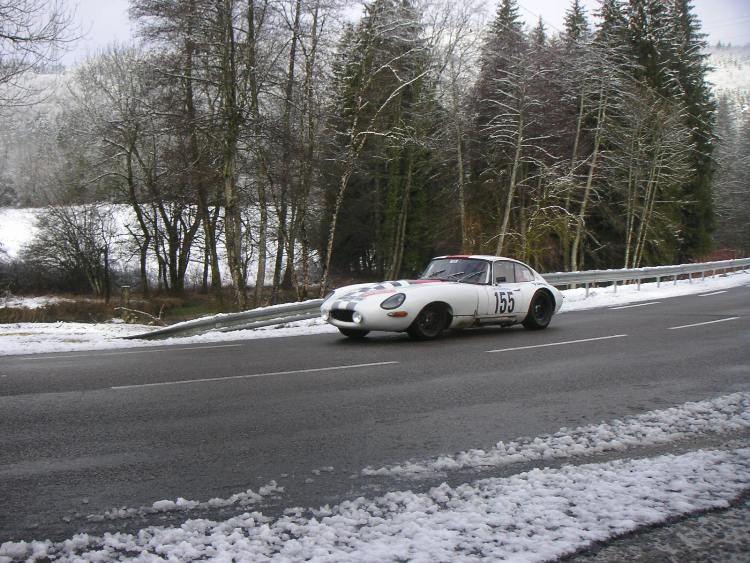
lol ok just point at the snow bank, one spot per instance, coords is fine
(535, 516)
(723, 414)
(576, 299)
(37, 338)
(244, 499)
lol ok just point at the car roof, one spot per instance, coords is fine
(477, 257)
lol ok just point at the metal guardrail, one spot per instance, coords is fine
(291, 312)
(225, 322)
(638, 275)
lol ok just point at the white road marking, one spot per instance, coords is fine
(144, 351)
(705, 323)
(636, 305)
(252, 375)
(710, 294)
(558, 343)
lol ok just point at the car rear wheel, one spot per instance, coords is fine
(354, 333)
(540, 311)
(430, 322)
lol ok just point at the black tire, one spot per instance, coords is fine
(430, 322)
(540, 311)
(354, 333)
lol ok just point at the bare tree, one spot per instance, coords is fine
(32, 33)
(455, 44)
(76, 241)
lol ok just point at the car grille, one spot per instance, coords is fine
(342, 315)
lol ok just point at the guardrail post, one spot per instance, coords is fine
(587, 288)
(638, 284)
(675, 279)
(658, 281)
(615, 285)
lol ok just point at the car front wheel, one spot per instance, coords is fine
(540, 311)
(430, 322)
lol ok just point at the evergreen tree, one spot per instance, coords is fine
(576, 24)
(652, 42)
(539, 33)
(690, 68)
(384, 106)
(612, 29)
(504, 99)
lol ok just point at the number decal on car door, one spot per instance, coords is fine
(504, 302)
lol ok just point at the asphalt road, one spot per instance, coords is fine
(86, 432)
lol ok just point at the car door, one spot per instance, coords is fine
(524, 288)
(503, 291)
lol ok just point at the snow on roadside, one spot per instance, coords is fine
(535, 516)
(244, 499)
(576, 299)
(724, 414)
(35, 338)
(38, 338)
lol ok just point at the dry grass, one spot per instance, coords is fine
(157, 310)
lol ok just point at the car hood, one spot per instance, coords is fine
(362, 291)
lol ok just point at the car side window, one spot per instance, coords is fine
(503, 272)
(523, 274)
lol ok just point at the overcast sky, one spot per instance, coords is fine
(105, 21)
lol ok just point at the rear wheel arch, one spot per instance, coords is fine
(541, 309)
(551, 296)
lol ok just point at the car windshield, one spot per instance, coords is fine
(468, 270)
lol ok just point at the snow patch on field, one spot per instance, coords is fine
(729, 413)
(13, 302)
(17, 227)
(535, 516)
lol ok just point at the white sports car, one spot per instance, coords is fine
(453, 292)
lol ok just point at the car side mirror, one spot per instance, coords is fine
(500, 279)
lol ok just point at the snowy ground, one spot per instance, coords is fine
(538, 515)
(33, 338)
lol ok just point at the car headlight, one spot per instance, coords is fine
(325, 313)
(393, 301)
(357, 317)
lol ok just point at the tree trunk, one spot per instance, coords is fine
(589, 183)
(286, 235)
(400, 234)
(231, 118)
(511, 188)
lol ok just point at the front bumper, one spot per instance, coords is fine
(370, 317)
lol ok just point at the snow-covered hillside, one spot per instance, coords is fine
(730, 74)
(730, 68)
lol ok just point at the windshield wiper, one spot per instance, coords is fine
(433, 274)
(469, 276)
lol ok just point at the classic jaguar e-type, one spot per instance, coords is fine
(453, 292)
